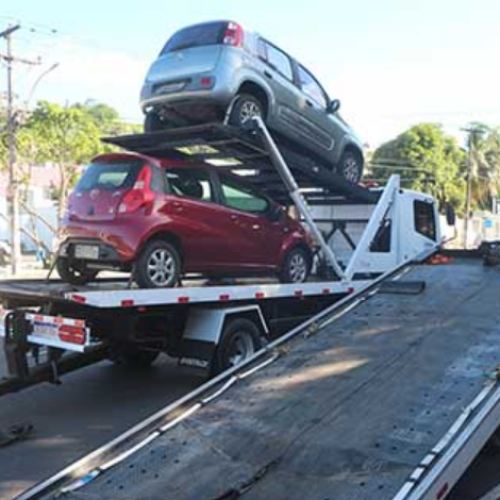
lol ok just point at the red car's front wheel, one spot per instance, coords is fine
(296, 266)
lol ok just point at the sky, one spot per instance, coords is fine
(392, 63)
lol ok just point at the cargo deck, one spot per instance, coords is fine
(351, 412)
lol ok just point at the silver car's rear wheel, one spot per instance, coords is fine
(245, 108)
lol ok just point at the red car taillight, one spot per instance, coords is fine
(233, 35)
(140, 195)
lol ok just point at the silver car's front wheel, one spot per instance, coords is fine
(244, 108)
(351, 167)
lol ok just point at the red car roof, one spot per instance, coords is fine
(160, 162)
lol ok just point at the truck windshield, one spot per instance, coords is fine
(196, 36)
(109, 176)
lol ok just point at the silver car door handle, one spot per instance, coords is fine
(266, 73)
(309, 103)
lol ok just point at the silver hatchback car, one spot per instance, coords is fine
(217, 70)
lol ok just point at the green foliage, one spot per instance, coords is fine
(485, 164)
(428, 160)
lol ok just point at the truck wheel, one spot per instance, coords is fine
(246, 106)
(240, 339)
(158, 266)
(350, 166)
(130, 356)
(296, 267)
(77, 276)
(152, 122)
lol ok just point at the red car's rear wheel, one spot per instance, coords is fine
(159, 265)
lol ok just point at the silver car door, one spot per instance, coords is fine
(323, 128)
(277, 68)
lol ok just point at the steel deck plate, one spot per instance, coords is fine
(347, 414)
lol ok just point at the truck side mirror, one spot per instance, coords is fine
(450, 214)
(333, 107)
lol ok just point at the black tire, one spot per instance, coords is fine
(245, 106)
(240, 339)
(130, 356)
(75, 275)
(152, 122)
(296, 267)
(164, 275)
(350, 166)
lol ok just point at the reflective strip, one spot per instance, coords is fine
(183, 300)
(127, 303)
(79, 298)
(224, 296)
(260, 295)
(298, 293)
(326, 291)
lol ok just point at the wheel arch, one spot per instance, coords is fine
(169, 237)
(293, 246)
(258, 91)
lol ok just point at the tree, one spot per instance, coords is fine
(485, 165)
(429, 160)
(65, 136)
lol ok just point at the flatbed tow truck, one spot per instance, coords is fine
(386, 386)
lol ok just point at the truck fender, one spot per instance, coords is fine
(204, 327)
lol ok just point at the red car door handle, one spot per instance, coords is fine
(178, 206)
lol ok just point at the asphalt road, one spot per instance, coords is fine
(90, 408)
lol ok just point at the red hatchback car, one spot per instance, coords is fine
(160, 219)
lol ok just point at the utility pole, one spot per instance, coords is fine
(13, 191)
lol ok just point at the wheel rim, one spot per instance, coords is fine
(240, 349)
(248, 110)
(161, 267)
(350, 169)
(298, 268)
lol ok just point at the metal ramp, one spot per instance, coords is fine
(371, 406)
(233, 149)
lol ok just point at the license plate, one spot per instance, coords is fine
(45, 330)
(170, 87)
(86, 252)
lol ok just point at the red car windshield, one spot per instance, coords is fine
(109, 176)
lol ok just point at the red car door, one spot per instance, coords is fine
(203, 226)
(256, 238)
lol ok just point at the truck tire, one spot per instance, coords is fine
(296, 266)
(240, 339)
(72, 275)
(130, 356)
(350, 166)
(158, 266)
(245, 107)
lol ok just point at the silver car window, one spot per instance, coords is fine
(311, 87)
(279, 61)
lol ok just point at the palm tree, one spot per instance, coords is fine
(485, 164)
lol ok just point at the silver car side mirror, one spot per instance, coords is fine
(333, 107)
